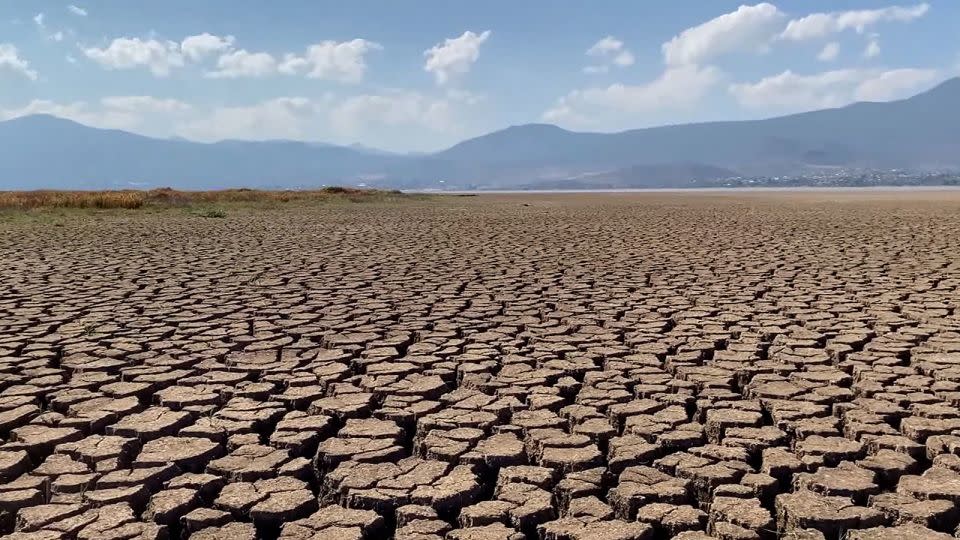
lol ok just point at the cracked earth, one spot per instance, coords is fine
(555, 367)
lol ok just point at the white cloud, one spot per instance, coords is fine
(819, 25)
(76, 111)
(464, 96)
(329, 60)
(829, 52)
(278, 118)
(10, 61)
(789, 90)
(142, 113)
(609, 51)
(40, 20)
(198, 47)
(129, 53)
(145, 104)
(376, 119)
(677, 88)
(624, 59)
(747, 28)
(596, 69)
(687, 78)
(292, 64)
(329, 118)
(391, 119)
(79, 11)
(606, 46)
(240, 63)
(401, 119)
(358, 114)
(873, 48)
(792, 92)
(454, 56)
(564, 113)
(896, 84)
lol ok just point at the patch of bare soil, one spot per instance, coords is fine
(558, 367)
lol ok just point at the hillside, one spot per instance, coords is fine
(920, 132)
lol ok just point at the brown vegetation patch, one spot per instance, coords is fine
(167, 197)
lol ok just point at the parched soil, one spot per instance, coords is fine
(559, 367)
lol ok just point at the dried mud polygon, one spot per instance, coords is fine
(555, 367)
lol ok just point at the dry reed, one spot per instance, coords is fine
(165, 197)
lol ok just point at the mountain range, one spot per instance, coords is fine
(918, 133)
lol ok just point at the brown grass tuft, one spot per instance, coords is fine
(71, 199)
(167, 197)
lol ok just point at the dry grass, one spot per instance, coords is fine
(166, 197)
(27, 200)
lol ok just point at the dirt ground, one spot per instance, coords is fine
(748, 365)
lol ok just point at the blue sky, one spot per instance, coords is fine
(422, 75)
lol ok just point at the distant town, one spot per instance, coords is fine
(843, 177)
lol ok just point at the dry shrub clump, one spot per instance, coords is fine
(245, 195)
(167, 197)
(72, 199)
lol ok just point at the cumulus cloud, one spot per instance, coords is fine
(145, 104)
(609, 51)
(278, 118)
(455, 56)
(129, 53)
(198, 47)
(145, 114)
(374, 118)
(676, 88)
(358, 114)
(77, 111)
(329, 60)
(407, 120)
(873, 48)
(687, 78)
(747, 28)
(11, 62)
(38, 19)
(789, 91)
(829, 52)
(896, 84)
(240, 63)
(819, 25)
(76, 10)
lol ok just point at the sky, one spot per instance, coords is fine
(423, 75)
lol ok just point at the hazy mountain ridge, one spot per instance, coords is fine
(920, 132)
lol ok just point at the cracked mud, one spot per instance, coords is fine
(555, 367)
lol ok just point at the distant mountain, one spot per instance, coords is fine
(921, 132)
(47, 152)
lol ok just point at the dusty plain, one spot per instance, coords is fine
(738, 366)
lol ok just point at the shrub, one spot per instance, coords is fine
(166, 197)
(72, 199)
(212, 213)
